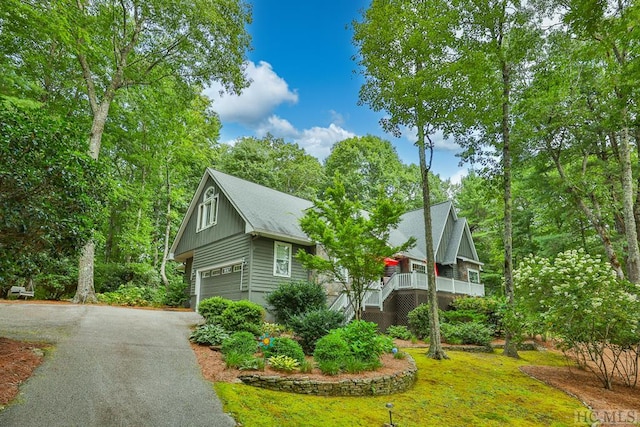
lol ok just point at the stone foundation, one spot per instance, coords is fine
(376, 386)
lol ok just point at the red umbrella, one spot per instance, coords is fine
(390, 262)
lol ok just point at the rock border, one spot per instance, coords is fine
(376, 386)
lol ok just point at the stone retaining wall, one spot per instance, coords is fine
(382, 385)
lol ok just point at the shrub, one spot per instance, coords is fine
(284, 363)
(474, 333)
(332, 348)
(252, 364)
(211, 308)
(363, 340)
(237, 360)
(492, 308)
(240, 342)
(462, 316)
(243, 316)
(111, 276)
(130, 295)
(310, 326)
(400, 332)
(385, 343)
(273, 329)
(177, 293)
(209, 334)
(419, 321)
(329, 367)
(306, 367)
(293, 298)
(283, 346)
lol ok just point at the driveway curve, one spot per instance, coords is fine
(111, 366)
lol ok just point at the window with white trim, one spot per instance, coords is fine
(474, 275)
(418, 267)
(208, 209)
(281, 259)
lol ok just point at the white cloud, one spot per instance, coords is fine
(318, 141)
(456, 178)
(256, 102)
(439, 142)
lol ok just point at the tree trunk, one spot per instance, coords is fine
(510, 347)
(435, 343)
(167, 232)
(633, 260)
(86, 291)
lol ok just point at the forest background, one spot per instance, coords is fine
(574, 129)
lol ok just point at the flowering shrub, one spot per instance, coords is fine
(578, 299)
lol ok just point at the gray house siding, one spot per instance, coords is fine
(227, 252)
(229, 222)
(262, 278)
(465, 248)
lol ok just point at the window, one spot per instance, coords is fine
(205, 274)
(226, 270)
(282, 259)
(418, 267)
(215, 272)
(474, 276)
(237, 268)
(208, 209)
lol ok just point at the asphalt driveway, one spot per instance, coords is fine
(111, 366)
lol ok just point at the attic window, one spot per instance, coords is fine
(281, 259)
(208, 209)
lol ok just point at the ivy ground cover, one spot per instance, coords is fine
(469, 389)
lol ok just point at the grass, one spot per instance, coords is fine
(469, 389)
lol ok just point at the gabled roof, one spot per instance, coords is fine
(274, 214)
(266, 211)
(412, 224)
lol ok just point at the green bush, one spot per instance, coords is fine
(238, 360)
(243, 343)
(211, 308)
(363, 340)
(283, 346)
(293, 298)
(312, 325)
(274, 329)
(332, 348)
(138, 296)
(492, 308)
(330, 367)
(400, 332)
(474, 333)
(111, 276)
(209, 334)
(462, 316)
(419, 321)
(177, 295)
(284, 363)
(243, 316)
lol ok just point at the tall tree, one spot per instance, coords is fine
(114, 45)
(274, 163)
(368, 164)
(355, 242)
(405, 54)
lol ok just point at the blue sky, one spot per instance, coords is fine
(305, 86)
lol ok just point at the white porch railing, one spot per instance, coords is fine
(417, 280)
(376, 295)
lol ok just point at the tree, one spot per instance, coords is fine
(107, 46)
(49, 197)
(274, 163)
(369, 164)
(579, 300)
(405, 58)
(354, 242)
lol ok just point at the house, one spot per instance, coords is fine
(238, 239)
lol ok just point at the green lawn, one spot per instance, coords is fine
(470, 389)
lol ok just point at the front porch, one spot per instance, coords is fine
(401, 293)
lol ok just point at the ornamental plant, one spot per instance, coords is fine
(578, 299)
